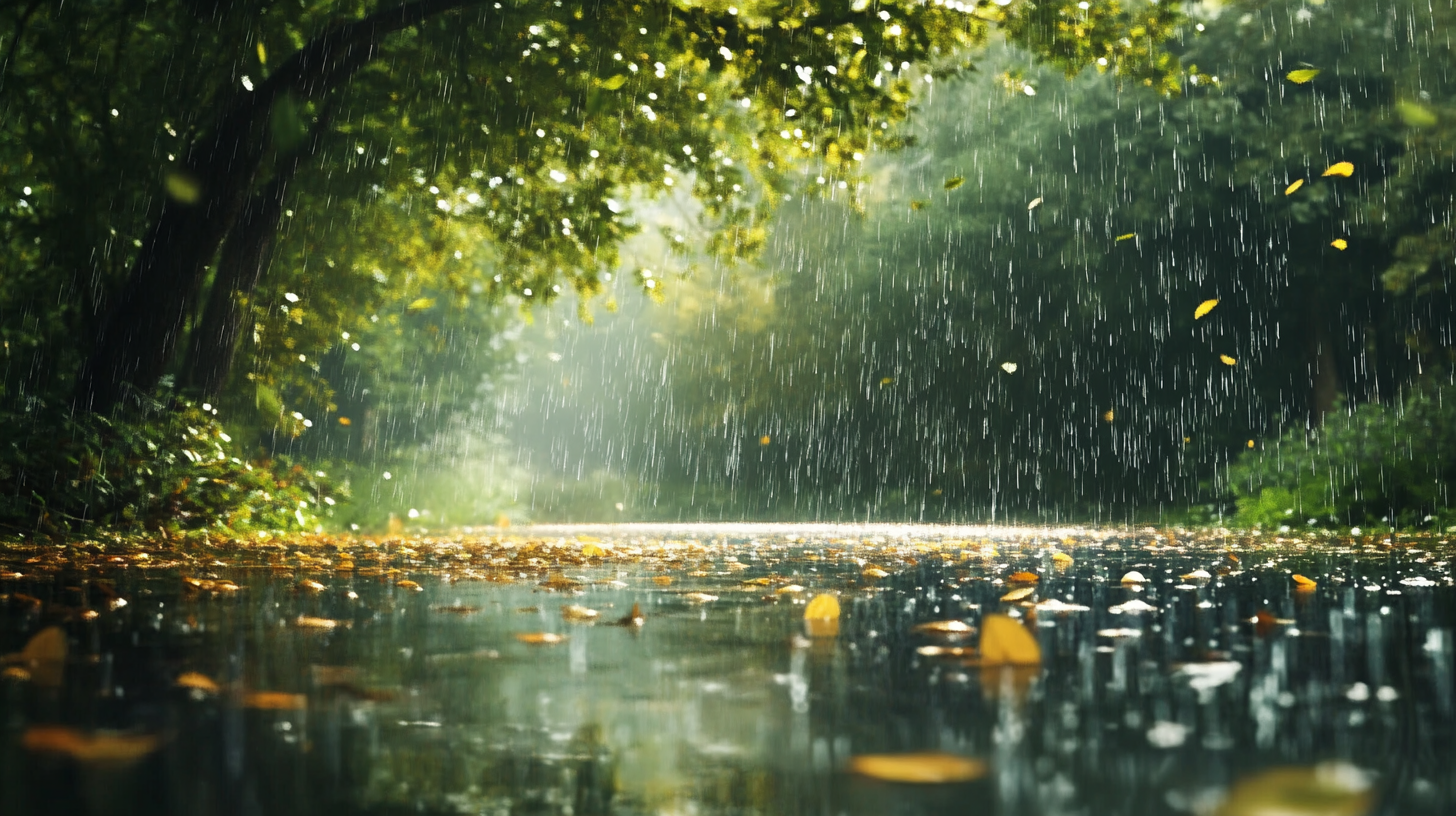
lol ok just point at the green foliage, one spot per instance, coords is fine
(163, 464)
(1371, 464)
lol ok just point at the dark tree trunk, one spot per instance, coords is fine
(137, 335)
(246, 254)
(1324, 378)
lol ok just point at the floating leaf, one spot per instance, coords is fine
(700, 597)
(633, 618)
(275, 701)
(309, 622)
(1127, 236)
(1343, 168)
(1300, 76)
(1005, 642)
(579, 614)
(311, 585)
(409, 586)
(420, 304)
(929, 768)
(1340, 244)
(540, 638)
(1134, 577)
(872, 571)
(1295, 186)
(1009, 368)
(1304, 584)
(1061, 559)
(952, 183)
(100, 748)
(1018, 594)
(614, 82)
(1023, 578)
(593, 551)
(48, 644)
(1204, 308)
(662, 580)
(945, 627)
(1327, 789)
(196, 681)
(1227, 360)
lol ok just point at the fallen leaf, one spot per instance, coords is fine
(1304, 584)
(946, 651)
(821, 616)
(593, 551)
(409, 585)
(1197, 575)
(578, 614)
(1290, 190)
(1340, 243)
(633, 618)
(1005, 642)
(1134, 577)
(928, 768)
(311, 586)
(308, 622)
(791, 589)
(100, 748)
(662, 580)
(1061, 558)
(540, 638)
(954, 182)
(1023, 578)
(1327, 789)
(1299, 76)
(874, 572)
(1018, 594)
(196, 681)
(946, 627)
(700, 597)
(1343, 168)
(1204, 308)
(456, 609)
(275, 701)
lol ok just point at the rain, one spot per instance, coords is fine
(916, 407)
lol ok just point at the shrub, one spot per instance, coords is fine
(1376, 463)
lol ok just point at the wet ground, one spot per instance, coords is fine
(626, 670)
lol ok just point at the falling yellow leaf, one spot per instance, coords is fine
(540, 638)
(1009, 368)
(952, 183)
(1328, 789)
(1343, 168)
(886, 381)
(100, 748)
(918, 204)
(1300, 76)
(1204, 308)
(262, 53)
(765, 439)
(1303, 583)
(1295, 186)
(1340, 244)
(1108, 416)
(345, 421)
(1126, 237)
(929, 768)
(1250, 444)
(1227, 360)
(420, 304)
(1017, 594)
(612, 83)
(1035, 202)
(197, 681)
(1005, 642)
(1415, 114)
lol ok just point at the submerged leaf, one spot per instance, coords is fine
(1204, 308)
(929, 768)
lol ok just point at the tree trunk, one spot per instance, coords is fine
(137, 335)
(1324, 378)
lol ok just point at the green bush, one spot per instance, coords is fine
(1394, 465)
(163, 463)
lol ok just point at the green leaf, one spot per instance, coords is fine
(1414, 114)
(420, 304)
(614, 82)
(952, 183)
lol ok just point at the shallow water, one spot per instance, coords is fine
(425, 700)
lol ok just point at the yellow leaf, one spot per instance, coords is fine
(929, 768)
(699, 597)
(275, 701)
(1339, 169)
(308, 622)
(1340, 244)
(1302, 75)
(662, 580)
(593, 551)
(946, 627)
(1009, 368)
(1109, 416)
(765, 439)
(48, 644)
(1295, 186)
(1415, 114)
(614, 82)
(874, 572)
(1204, 308)
(1251, 444)
(1126, 237)
(952, 183)
(1303, 583)
(1023, 577)
(1005, 642)
(886, 381)
(1328, 789)
(1017, 594)
(1061, 558)
(98, 748)
(183, 187)
(420, 304)
(345, 421)
(822, 607)
(1227, 360)
(578, 614)
(540, 638)
(197, 681)
(262, 53)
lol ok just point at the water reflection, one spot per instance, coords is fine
(443, 676)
